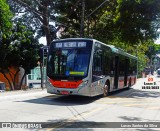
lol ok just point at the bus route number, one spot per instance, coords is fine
(150, 79)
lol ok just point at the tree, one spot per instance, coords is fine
(5, 30)
(4, 51)
(135, 19)
(18, 50)
(38, 13)
(5, 17)
(152, 50)
(25, 49)
(131, 21)
(14, 43)
(70, 13)
(106, 24)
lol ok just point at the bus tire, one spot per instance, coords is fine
(106, 89)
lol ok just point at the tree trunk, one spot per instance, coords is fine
(14, 78)
(20, 86)
(11, 87)
(48, 35)
(14, 82)
(46, 24)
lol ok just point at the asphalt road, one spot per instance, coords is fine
(133, 105)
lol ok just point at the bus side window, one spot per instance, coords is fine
(112, 66)
(97, 63)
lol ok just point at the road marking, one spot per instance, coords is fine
(132, 105)
(79, 116)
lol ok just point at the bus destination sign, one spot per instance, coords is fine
(70, 44)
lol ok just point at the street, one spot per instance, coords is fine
(134, 105)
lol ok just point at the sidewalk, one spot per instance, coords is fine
(21, 92)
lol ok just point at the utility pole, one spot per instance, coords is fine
(82, 19)
(44, 53)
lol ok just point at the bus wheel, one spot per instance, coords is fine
(106, 90)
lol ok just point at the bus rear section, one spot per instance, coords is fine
(68, 70)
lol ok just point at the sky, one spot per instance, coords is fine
(157, 41)
(43, 41)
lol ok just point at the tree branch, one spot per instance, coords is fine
(36, 12)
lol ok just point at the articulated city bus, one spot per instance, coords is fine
(87, 67)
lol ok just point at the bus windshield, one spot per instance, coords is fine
(68, 62)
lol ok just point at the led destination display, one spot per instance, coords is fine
(70, 44)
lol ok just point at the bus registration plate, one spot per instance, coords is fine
(64, 92)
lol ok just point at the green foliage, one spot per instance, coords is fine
(156, 47)
(36, 15)
(24, 48)
(5, 31)
(19, 50)
(151, 49)
(4, 50)
(70, 13)
(134, 19)
(131, 21)
(128, 24)
(5, 17)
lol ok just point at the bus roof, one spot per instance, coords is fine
(118, 50)
(112, 47)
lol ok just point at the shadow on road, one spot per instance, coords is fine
(65, 125)
(81, 100)
(63, 100)
(76, 125)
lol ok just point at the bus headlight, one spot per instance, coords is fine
(83, 84)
